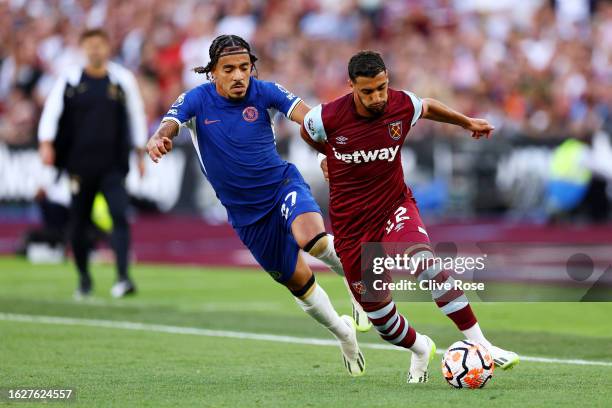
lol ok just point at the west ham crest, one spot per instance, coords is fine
(395, 130)
(359, 287)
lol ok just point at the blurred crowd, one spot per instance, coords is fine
(536, 68)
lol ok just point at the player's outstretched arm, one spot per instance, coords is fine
(437, 111)
(161, 142)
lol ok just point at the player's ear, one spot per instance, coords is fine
(350, 82)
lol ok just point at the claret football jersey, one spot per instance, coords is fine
(364, 159)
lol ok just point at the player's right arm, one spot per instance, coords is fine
(161, 142)
(180, 112)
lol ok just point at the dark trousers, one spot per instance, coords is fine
(84, 190)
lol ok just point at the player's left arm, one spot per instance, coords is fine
(294, 109)
(299, 112)
(435, 110)
(285, 101)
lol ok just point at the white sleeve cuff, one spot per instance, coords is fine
(418, 107)
(321, 157)
(175, 120)
(292, 107)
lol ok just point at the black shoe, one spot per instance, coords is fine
(82, 292)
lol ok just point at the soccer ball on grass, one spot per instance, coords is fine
(467, 364)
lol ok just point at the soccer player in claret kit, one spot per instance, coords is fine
(269, 205)
(361, 135)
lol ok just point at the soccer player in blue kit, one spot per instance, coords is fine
(268, 202)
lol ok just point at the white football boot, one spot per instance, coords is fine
(503, 359)
(351, 354)
(419, 365)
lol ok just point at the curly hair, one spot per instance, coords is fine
(225, 45)
(367, 64)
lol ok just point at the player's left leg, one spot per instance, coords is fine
(276, 250)
(406, 233)
(309, 233)
(303, 220)
(377, 301)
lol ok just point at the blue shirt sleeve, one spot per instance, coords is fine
(183, 109)
(280, 98)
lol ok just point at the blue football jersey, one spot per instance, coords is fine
(235, 143)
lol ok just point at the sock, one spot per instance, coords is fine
(453, 302)
(392, 326)
(317, 305)
(322, 248)
(475, 334)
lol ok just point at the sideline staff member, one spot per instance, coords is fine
(91, 120)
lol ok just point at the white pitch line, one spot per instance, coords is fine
(159, 328)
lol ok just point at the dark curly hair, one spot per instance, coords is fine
(225, 45)
(366, 64)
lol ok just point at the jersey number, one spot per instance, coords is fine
(288, 204)
(398, 223)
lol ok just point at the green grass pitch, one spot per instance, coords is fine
(111, 366)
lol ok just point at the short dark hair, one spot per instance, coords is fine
(366, 64)
(93, 32)
(225, 44)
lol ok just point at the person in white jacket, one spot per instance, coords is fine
(91, 121)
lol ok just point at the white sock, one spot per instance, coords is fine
(329, 257)
(475, 334)
(420, 347)
(318, 306)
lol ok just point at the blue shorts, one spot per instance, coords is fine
(270, 239)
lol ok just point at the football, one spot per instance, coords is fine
(467, 364)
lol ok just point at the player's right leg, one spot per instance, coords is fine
(83, 193)
(409, 237)
(309, 232)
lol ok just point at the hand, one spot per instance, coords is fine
(324, 169)
(480, 128)
(47, 153)
(158, 146)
